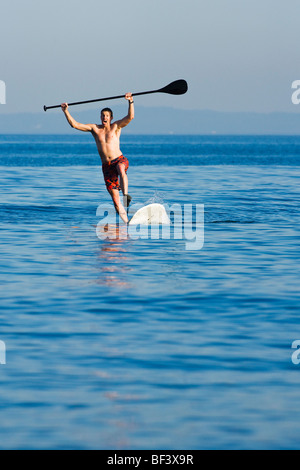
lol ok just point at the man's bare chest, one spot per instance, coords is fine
(107, 136)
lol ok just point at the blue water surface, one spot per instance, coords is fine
(124, 343)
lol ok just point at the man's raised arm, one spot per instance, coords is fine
(126, 120)
(73, 123)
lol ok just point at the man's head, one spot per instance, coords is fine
(106, 115)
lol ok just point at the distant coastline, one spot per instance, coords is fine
(160, 121)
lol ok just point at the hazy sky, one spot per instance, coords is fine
(236, 55)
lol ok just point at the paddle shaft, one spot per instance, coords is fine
(101, 99)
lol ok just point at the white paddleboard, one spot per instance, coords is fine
(151, 214)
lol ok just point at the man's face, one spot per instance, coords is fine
(105, 117)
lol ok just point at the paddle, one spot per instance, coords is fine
(179, 87)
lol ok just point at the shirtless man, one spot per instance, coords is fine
(114, 164)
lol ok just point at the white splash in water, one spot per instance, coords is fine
(157, 198)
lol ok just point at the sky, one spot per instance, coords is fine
(236, 55)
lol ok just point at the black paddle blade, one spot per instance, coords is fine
(179, 87)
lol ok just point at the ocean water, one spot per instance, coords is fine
(124, 343)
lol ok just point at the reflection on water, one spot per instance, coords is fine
(113, 255)
(115, 232)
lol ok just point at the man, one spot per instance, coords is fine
(114, 164)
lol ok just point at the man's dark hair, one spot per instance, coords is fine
(109, 110)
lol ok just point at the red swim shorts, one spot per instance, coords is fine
(110, 172)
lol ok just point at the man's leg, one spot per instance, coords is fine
(118, 205)
(123, 178)
(124, 182)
